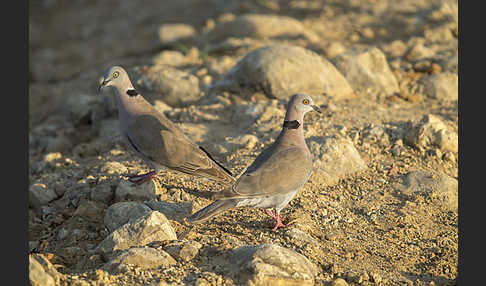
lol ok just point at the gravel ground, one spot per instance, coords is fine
(380, 207)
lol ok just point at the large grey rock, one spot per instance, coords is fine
(261, 26)
(140, 232)
(280, 71)
(367, 70)
(443, 86)
(142, 257)
(42, 272)
(436, 186)
(40, 195)
(173, 211)
(122, 212)
(175, 87)
(432, 132)
(334, 158)
(270, 264)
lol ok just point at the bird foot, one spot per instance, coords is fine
(140, 179)
(278, 220)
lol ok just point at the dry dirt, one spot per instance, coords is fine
(364, 227)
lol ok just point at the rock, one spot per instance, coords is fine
(445, 11)
(334, 49)
(334, 157)
(120, 213)
(261, 26)
(173, 211)
(170, 58)
(42, 272)
(59, 188)
(113, 167)
(89, 210)
(62, 234)
(175, 87)
(270, 264)
(142, 257)
(375, 134)
(301, 237)
(418, 51)
(367, 70)
(280, 71)
(440, 34)
(127, 191)
(395, 49)
(172, 33)
(183, 250)
(443, 86)
(339, 282)
(103, 193)
(40, 195)
(79, 108)
(144, 230)
(431, 132)
(436, 186)
(248, 141)
(51, 157)
(37, 274)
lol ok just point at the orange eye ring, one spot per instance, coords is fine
(305, 101)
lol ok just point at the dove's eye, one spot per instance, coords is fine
(305, 101)
(116, 74)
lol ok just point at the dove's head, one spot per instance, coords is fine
(303, 103)
(115, 76)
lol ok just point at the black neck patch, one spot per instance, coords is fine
(294, 124)
(132, 92)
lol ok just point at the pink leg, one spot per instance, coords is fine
(270, 213)
(139, 179)
(278, 219)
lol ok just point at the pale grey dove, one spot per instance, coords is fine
(276, 175)
(156, 139)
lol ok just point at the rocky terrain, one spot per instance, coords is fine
(380, 207)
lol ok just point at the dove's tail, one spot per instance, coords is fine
(213, 209)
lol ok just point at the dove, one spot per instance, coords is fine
(276, 175)
(154, 138)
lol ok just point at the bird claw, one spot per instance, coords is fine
(278, 220)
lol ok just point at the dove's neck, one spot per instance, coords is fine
(293, 128)
(128, 105)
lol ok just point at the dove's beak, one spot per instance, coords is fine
(316, 108)
(102, 84)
